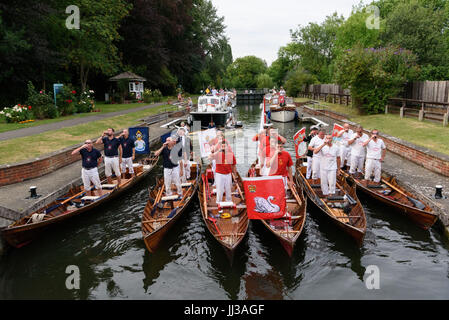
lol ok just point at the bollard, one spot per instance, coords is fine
(438, 192)
(33, 191)
(401, 114)
(421, 115)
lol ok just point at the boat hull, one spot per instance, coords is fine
(219, 118)
(19, 236)
(282, 116)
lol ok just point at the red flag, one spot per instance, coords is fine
(300, 145)
(335, 131)
(265, 197)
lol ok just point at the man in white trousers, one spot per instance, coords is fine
(375, 155)
(330, 162)
(91, 159)
(128, 152)
(186, 144)
(225, 166)
(173, 165)
(308, 139)
(345, 150)
(112, 155)
(314, 144)
(358, 150)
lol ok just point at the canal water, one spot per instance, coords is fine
(108, 249)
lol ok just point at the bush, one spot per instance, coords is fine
(18, 113)
(296, 80)
(86, 102)
(66, 100)
(41, 102)
(375, 75)
(152, 96)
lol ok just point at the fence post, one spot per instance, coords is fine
(446, 118)
(386, 109)
(421, 112)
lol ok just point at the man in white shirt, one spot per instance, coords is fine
(315, 143)
(357, 150)
(345, 150)
(330, 162)
(375, 154)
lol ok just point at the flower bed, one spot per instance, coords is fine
(17, 114)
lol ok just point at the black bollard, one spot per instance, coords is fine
(33, 191)
(438, 192)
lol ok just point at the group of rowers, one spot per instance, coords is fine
(356, 151)
(324, 158)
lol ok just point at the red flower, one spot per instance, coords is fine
(73, 91)
(29, 107)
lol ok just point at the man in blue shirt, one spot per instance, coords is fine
(91, 158)
(128, 152)
(173, 165)
(112, 155)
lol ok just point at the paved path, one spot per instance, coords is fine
(69, 123)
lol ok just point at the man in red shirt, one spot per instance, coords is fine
(225, 166)
(281, 164)
(267, 135)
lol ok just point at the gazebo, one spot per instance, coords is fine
(135, 82)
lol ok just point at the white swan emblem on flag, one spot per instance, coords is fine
(265, 206)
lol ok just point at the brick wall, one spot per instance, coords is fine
(38, 167)
(429, 159)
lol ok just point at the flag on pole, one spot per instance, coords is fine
(265, 197)
(300, 145)
(337, 128)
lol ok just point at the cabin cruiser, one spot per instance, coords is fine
(280, 108)
(211, 108)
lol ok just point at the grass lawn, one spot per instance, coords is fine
(20, 149)
(427, 134)
(103, 107)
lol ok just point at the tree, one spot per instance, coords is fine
(375, 75)
(242, 73)
(297, 80)
(314, 46)
(93, 47)
(263, 80)
(423, 31)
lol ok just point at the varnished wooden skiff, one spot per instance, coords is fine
(287, 231)
(229, 232)
(353, 221)
(160, 215)
(396, 196)
(73, 203)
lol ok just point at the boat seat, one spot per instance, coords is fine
(315, 185)
(226, 204)
(136, 165)
(108, 186)
(146, 167)
(290, 200)
(304, 164)
(334, 198)
(187, 184)
(90, 198)
(375, 186)
(170, 198)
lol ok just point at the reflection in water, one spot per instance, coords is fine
(107, 247)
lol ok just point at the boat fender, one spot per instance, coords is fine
(37, 217)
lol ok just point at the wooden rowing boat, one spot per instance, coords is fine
(73, 203)
(287, 231)
(161, 213)
(395, 195)
(229, 232)
(350, 218)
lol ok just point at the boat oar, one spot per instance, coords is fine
(415, 202)
(238, 187)
(64, 202)
(213, 220)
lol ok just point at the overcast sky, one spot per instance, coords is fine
(261, 27)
